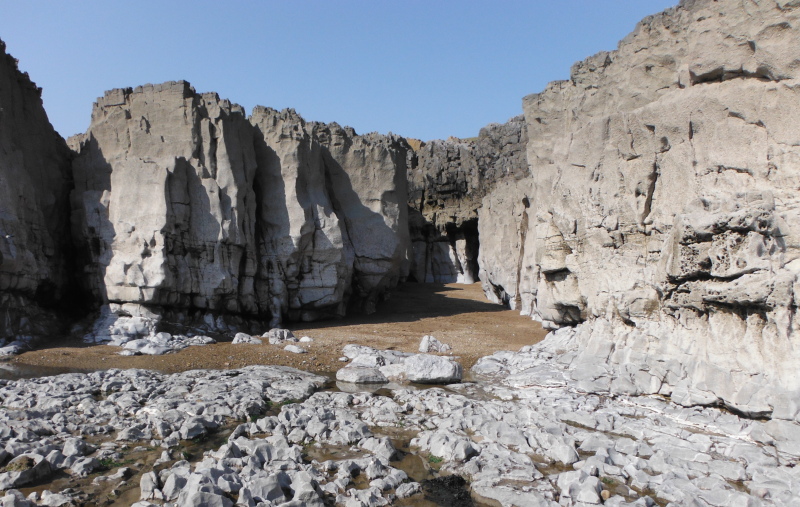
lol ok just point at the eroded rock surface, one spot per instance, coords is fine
(661, 213)
(520, 435)
(47, 422)
(34, 208)
(186, 207)
(447, 180)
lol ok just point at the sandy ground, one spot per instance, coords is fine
(458, 315)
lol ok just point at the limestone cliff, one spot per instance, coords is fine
(34, 207)
(447, 181)
(661, 216)
(187, 208)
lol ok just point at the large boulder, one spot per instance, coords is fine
(428, 369)
(24, 469)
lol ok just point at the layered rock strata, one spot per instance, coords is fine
(187, 208)
(447, 181)
(661, 214)
(34, 207)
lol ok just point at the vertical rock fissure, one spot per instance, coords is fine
(523, 233)
(651, 190)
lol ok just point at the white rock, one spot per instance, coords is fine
(430, 344)
(360, 375)
(295, 349)
(427, 369)
(246, 338)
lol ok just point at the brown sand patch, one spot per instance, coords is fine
(456, 314)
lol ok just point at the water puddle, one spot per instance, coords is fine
(322, 453)
(9, 371)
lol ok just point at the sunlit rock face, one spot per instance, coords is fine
(447, 181)
(182, 203)
(661, 214)
(34, 207)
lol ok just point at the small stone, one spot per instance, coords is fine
(431, 344)
(246, 338)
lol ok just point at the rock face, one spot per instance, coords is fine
(331, 215)
(34, 206)
(187, 207)
(447, 180)
(661, 213)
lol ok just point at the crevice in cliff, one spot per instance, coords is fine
(720, 74)
(558, 275)
(741, 309)
(651, 190)
(354, 288)
(212, 150)
(723, 168)
(523, 234)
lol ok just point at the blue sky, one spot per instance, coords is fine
(423, 69)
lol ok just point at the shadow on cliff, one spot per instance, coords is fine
(377, 248)
(89, 222)
(412, 302)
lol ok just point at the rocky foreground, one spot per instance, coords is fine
(521, 433)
